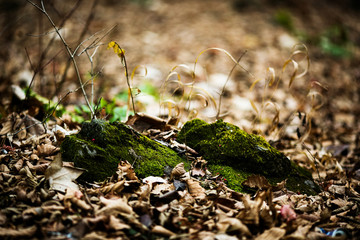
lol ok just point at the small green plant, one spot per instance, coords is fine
(334, 41)
(284, 19)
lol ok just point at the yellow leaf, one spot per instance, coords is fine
(117, 49)
(111, 44)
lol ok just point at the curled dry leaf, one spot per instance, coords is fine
(60, 135)
(74, 196)
(33, 126)
(198, 172)
(251, 213)
(18, 233)
(34, 157)
(230, 224)
(3, 218)
(46, 150)
(40, 168)
(162, 231)
(21, 132)
(126, 170)
(4, 168)
(274, 233)
(337, 189)
(151, 179)
(302, 233)
(195, 189)
(113, 206)
(178, 171)
(144, 193)
(31, 180)
(199, 167)
(7, 127)
(142, 122)
(116, 224)
(95, 236)
(18, 165)
(114, 187)
(159, 189)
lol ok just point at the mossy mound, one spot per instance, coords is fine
(100, 146)
(236, 154)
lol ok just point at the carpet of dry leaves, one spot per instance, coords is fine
(41, 199)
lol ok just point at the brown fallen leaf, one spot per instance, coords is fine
(198, 172)
(18, 165)
(18, 233)
(113, 187)
(142, 122)
(3, 218)
(60, 135)
(116, 224)
(195, 189)
(73, 197)
(126, 170)
(162, 231)
(300, 233)
(178, 171)
(7, 126)
(44, 150)
(33, 126)
(95, 236)
(144, 192)
(230, 224)
(251, 213)
(113, 206)
(4, 168)
(61, 177)
(274, 233)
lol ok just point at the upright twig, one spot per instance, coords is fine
(47, 48)
(68, 50)
(121, 54)
(81, 36)
(128, 82)
(95, 44)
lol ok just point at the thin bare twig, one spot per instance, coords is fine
(81, 36)
(47, 48)
(68, 50)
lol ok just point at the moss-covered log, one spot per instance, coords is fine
(100, 146)
(236, 155)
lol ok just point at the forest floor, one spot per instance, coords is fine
(311, 118)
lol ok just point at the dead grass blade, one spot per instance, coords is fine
(276, 119)
(226, 53)
(170, 105)
(296, 52)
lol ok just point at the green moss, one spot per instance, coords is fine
(233, 177)
(100, 146)
(225, 144)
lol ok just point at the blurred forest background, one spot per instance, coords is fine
(163, 34)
